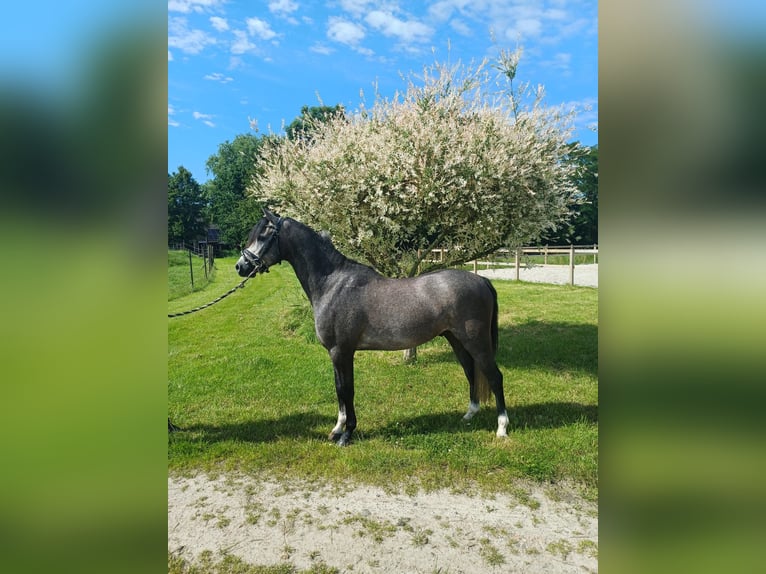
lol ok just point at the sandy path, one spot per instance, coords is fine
(368, 530)
(584, 275)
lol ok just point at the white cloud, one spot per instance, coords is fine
(576, 27)
(356, 7)
(345, 32)
(406, 31)
(170, 56)
(443, 10)
(171, 121)
(556, 14)
(186, 40)
(260, 28)
(218, 77)
(186, 6)
(560, 61)
(525, 28)
(282, 7)
(219, 23)
(320, 48)
(241, 43)
(461, 27)
(205, 118)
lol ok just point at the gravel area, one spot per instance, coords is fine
(362, 529)
(585, 275)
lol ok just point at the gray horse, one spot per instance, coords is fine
(356, 308)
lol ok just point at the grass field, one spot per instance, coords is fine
(254, 392)
(179, 276)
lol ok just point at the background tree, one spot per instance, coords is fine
(585, 222)
(230, 206)
(449, 163)
(186, 206)
(304, 125)
(582, 229)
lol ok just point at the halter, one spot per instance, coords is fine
(254, 259)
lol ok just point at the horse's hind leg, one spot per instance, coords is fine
(467, 362)
(480, 359)
(489, 367)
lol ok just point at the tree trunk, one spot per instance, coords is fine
(410, 355)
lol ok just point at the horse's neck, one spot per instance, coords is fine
(312, 260)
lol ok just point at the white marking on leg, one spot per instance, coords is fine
(502, 423)
(341, 421)
(473, 408)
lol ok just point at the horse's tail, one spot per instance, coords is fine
(483, 391)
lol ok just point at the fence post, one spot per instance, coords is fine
(545, 256)
(516, 258)
(191, 269)
(475, 266)
(571, 264)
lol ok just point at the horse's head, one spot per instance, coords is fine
(262, 249)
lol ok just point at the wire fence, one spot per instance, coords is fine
(202, 253)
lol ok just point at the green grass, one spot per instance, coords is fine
(179, 276)
(230, 564)
(254, 392)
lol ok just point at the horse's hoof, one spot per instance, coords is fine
(345, 440)
(334, 436)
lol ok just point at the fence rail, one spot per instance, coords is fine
(438, 255)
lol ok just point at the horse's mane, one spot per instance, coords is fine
(324, 242)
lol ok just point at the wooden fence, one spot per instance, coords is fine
(518, 254)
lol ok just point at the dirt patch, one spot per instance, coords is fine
(365, 529)
(584, 275)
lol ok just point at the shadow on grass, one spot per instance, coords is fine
(549, 345)
(293, 425)
(540, 344)
(312, 425)
(536, 416)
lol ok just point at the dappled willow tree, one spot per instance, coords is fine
(449, 163)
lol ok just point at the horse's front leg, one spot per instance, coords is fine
(343, 365)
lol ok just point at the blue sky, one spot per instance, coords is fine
(232, 63)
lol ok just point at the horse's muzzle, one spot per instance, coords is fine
(243, 270)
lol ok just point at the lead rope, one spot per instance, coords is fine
(229, 292)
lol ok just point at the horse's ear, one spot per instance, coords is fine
(270, 216)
